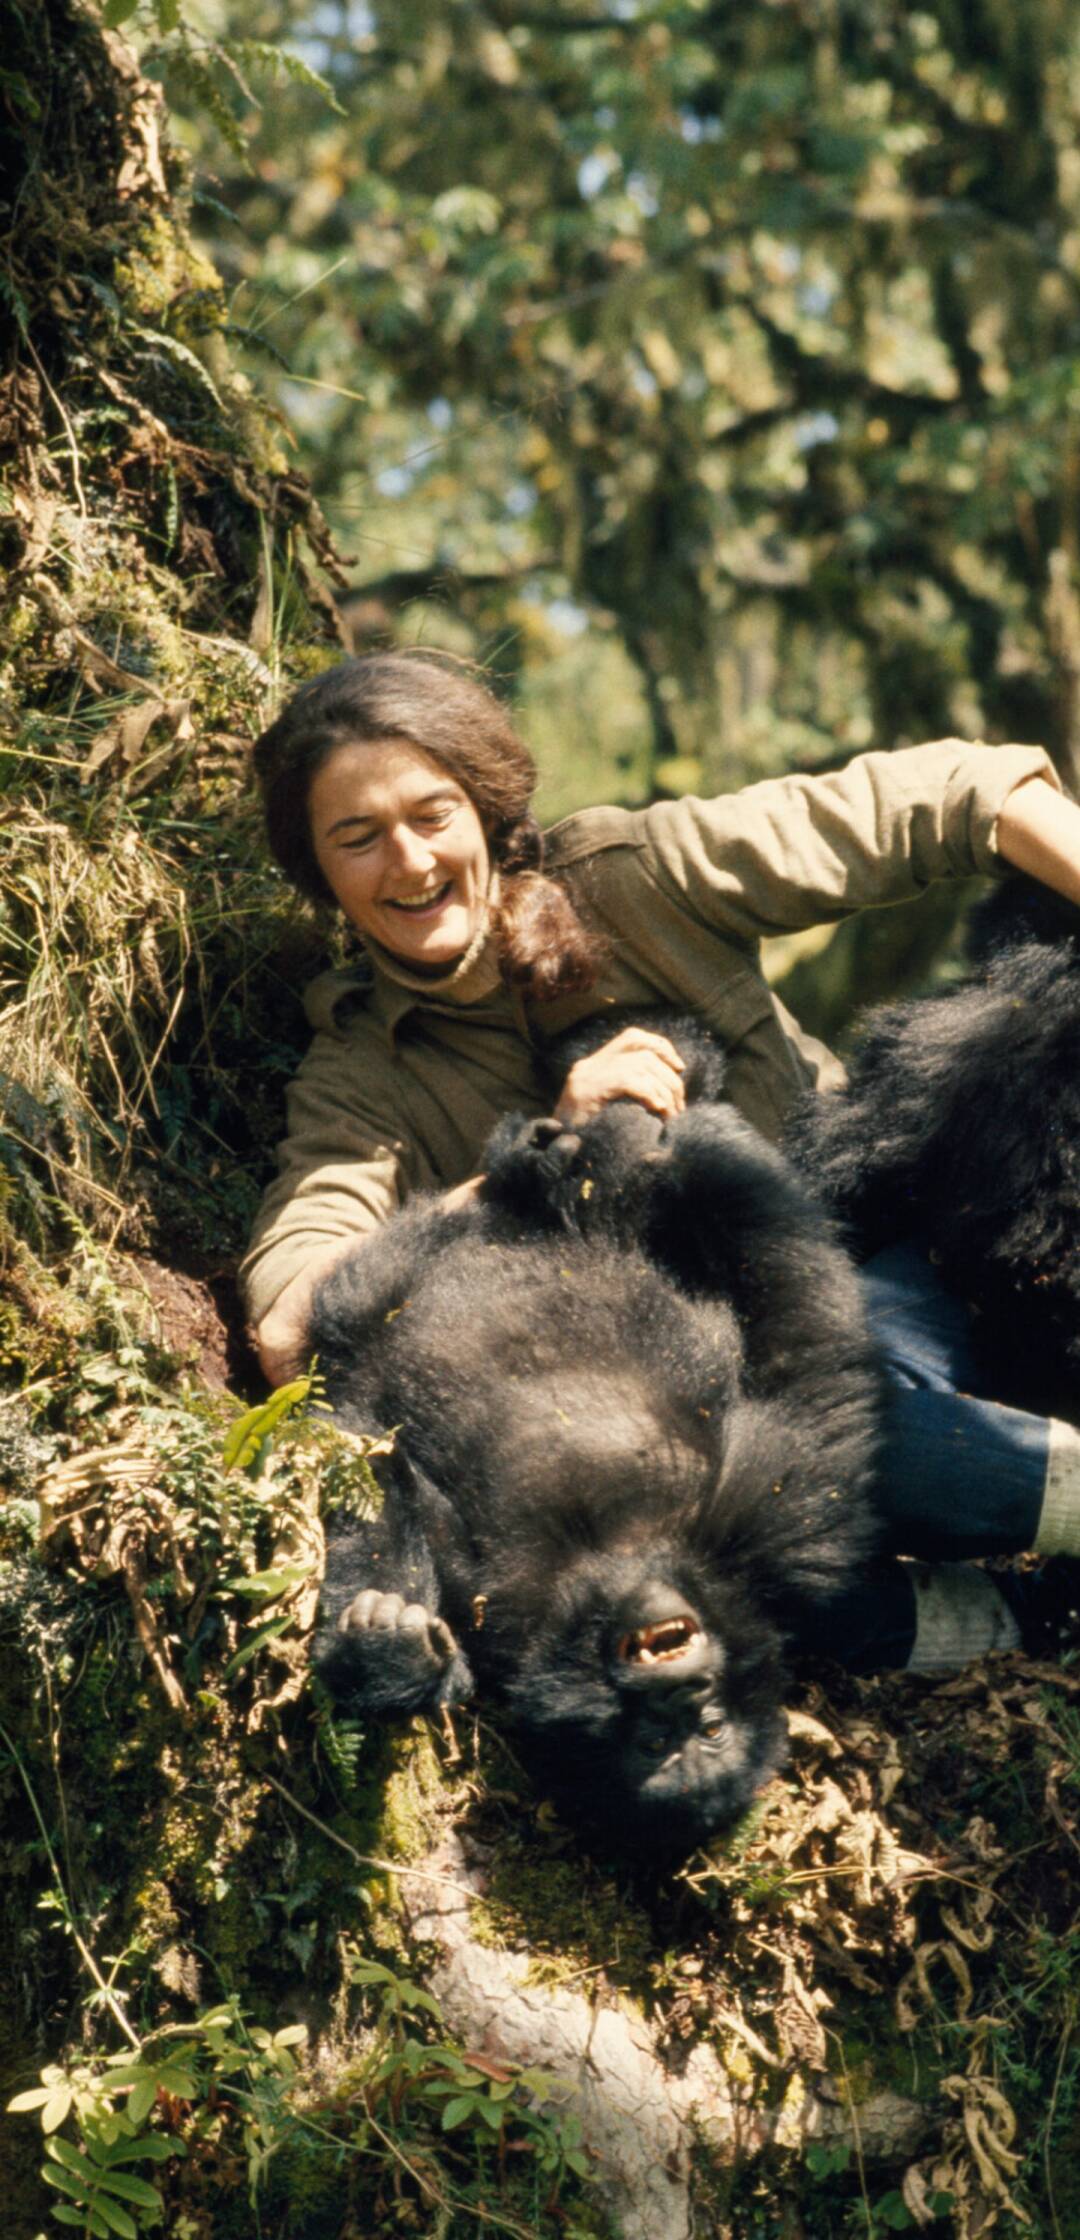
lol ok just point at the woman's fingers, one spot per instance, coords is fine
(635, 1063)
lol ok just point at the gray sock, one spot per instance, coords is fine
(1058, 1532)
(960, 1613)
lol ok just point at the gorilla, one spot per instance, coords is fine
(960, 1127)
(635, 1410)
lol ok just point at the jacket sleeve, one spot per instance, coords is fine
(341, 1173)
(802, 851)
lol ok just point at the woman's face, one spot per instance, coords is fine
(403, 850)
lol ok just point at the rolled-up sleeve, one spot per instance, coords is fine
(802, 851)
(340, 1175)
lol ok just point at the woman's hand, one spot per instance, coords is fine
(635, 1063)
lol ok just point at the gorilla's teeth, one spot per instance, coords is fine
(659, 1643)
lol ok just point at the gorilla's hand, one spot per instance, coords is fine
(550, 1177)
(389, 1655)
(390, 1612)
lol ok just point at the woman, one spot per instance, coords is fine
(396, 786)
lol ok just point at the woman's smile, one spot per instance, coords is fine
(402, 847)
(420, 903)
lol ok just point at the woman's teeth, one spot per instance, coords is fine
(421, 901)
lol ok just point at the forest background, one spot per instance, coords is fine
(711, 374)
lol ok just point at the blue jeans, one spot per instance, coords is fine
(959, 1474)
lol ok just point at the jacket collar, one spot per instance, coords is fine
(395, 991)
(388, 991)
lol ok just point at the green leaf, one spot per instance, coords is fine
(458, 2111)
(271, 1585)
(182, 2084)
(116, 12)
(245, 1441)
(183, 355)
(168, 15)
(66, 2182)
(154, 2148)
(253, 1643)
(61, 2150)
(129, 2188)
(25, 2102)
(57, 2108)
(142, 2098)
(117, 2219)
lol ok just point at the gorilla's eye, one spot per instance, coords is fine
(656, 1745)
(713, 1727)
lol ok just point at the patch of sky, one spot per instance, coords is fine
(642, 194)
(306, 408)
(643, 381)
(519, 499)
(394, 482)
(440, 412)
(816, 299)
(784, 260)
(564, 615)
(329, 25)
(814, 428)
(594, 171)
(695, 129)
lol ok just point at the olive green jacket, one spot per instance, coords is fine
(406, 1077)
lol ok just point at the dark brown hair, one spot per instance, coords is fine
(543, 947)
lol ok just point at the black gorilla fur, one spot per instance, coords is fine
(960, 1126)
(637, 1410)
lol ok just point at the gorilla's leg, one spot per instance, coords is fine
(726, 1214)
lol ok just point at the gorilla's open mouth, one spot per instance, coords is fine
(662, 1643)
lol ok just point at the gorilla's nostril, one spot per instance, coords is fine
(545, 1132)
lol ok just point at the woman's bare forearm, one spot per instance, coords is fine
(1039, 831)
(281, 1338)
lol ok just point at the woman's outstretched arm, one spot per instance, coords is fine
(1038, 830)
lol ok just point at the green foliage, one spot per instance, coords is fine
(116, 2109)
(491, 2104)
(752, 333)
(250, 1439)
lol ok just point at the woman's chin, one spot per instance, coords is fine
(433, 945)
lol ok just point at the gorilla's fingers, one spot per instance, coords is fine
(371, 1608)
(415, 1619)
(372, 1611)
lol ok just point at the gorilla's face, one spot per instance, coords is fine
(650, 1715)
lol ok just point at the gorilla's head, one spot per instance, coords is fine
(650, 1709)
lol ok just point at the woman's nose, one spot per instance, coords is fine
(410, 850)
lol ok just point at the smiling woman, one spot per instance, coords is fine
(396, 786)
(403, 851)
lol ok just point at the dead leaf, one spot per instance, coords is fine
(37, 515)
(122, 741)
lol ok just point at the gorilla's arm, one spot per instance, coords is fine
(383, 1647)
(727, 1216)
